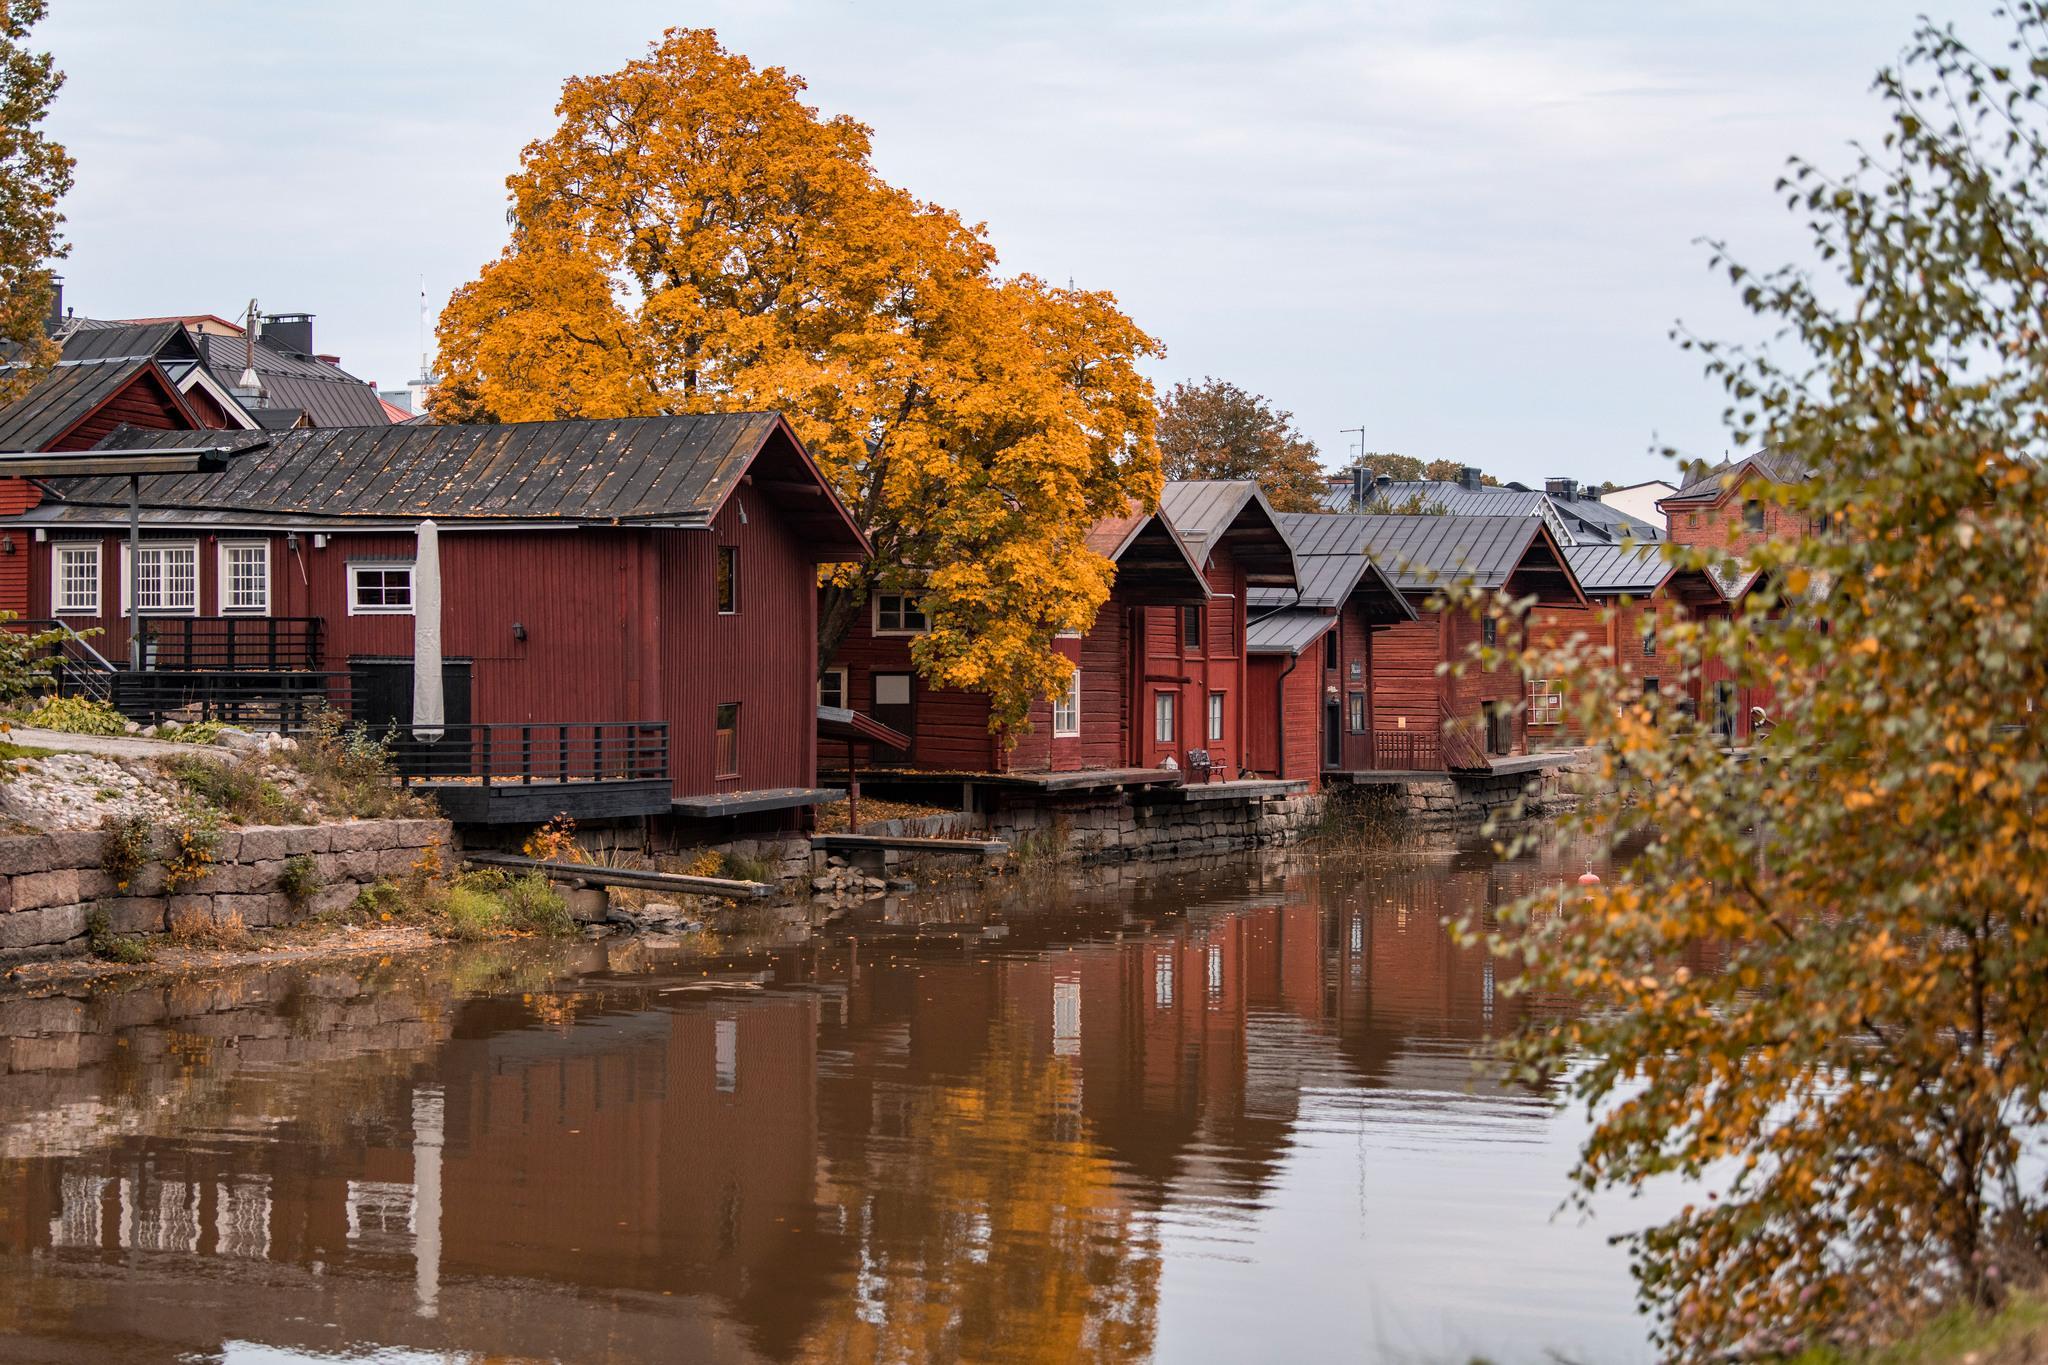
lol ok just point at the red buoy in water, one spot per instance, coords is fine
(1589, 878)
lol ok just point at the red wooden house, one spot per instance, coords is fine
(1195, 668)
(629, 607)
(1090, 727)
(1311, 669)
(1631, 592)
(1422, 719)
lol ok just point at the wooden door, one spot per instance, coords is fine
(381, 699)
(895, 705)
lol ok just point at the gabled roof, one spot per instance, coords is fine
(1610, 570)
(328, 394)
(1154, 565)
(1330, 555)
(1571, 518)
(1211, 512)
(1711, 485)
(673, 471)
(71, 393)
(1288, 632)
(1420, 553)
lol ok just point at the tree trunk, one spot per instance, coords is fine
(839, 606)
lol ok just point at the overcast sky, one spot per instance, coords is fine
(1466, 226)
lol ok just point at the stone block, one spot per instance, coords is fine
(53, 1014)
(354, 835)
(188, 906)
(306, 839)
(25, 853)
(264, 843)
(587, 905)
(332, 897)
(257, 910)
(78, 847)
(58, 886)
(135, 914)
(41, 928)
(420, 833)
(396, 862)
(94, 884)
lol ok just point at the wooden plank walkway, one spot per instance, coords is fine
(850, 843)
(637, 878)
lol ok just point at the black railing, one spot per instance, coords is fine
(525, 753)
(286, 700)
(232, 644)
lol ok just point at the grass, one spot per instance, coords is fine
(239, 791)
(489, 904)
(110, 946)
(349, 772)
(2017, 1334)
(198, 929)
(11, 752)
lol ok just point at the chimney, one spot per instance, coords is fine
(1383, 482)
(1564, 490)
(289, 331)
(1359, 480)
(56, 318)
(1468, 477)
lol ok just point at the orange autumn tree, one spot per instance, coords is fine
(35, 172)
(693, 237)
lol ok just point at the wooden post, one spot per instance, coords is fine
(852, 790)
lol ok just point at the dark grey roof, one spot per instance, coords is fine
(1586, 517)
(1608, 570)
(1287, 632)
(1421, 552)
(1707, 484)
(1589, 517)
(328, 394)
(1205, 511)
(663, 470)
(64, 397)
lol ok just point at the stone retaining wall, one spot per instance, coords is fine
(50, 884)
(1465, 802)
(1112, 827)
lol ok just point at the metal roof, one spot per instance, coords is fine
(1330, 557)
(1579, 516)
(1208, 511)
(1708, 485)
(328, 394)
(1154, 565)
(1422, 552)
(1608, 570)
(1287, 632)
(65, 397)
(661, 470)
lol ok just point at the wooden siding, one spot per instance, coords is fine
(1216, 665)
(16, 496)
(620, 625)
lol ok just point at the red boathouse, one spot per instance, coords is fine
(629, 607)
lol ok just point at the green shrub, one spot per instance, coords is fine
(239, 791)
(488, 904)
(113, 947)
(198, 732)
(76, 716)
(299, 879)
(532, 904)
(350, 772)
(124, 849)
(378, 902)
(740, 867)
(467, 914)
(25, 661)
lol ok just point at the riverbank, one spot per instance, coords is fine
(2015, 1335)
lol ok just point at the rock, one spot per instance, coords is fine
(823, 884)
(237, 739)
(902, 884)
(39, 889)
(147, 731)
(661, 910)
(132, 728)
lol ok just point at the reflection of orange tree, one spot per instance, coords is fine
(991, 1227)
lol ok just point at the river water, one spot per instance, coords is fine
(1216, 1113)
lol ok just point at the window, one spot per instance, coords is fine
(728, 580)
(1330, 648)
(897, 614)
(379, 589)
(1215, 715)
(1546, 702)
(1164, 731)
(1162, 980)
(1753, 515)
(832, 687)
(1489, 630)
(1190, 627)
(245, 578)
(1650, 641)
(167, 580)
(1356, 705)
(728, 750)
(1066, 708)
(76, 580)
(1651, 691)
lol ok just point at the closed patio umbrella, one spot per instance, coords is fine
(429, 707)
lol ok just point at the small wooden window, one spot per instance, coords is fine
(1753, 515)
(1489, 630)
(1330, 648)
(1546, 702)
(167, 580)
(1066, 708)
(379, 589)
(728, 748)
(1215, 715)
(1164, 730)
(897, 614)
(832, 688)
(245, 578)
(1356, 703)
(1650, 642)
(1191, 627)
(77, 580)
(728, 580)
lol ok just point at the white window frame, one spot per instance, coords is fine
(224, 583)
(845, 697)
(1165, 716)
(1546, 702)
(60, 580)
(356, 568)
(160, 547)
(1066, 710)
(904, 609)
(1217, 709)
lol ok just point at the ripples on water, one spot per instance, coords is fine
(1223, 1115)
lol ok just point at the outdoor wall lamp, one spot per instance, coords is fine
(6, 545)
(518, 631)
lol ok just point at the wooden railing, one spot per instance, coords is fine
(231, 644)
(1406, 751)
(525, 753)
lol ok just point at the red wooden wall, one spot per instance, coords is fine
(1216, 665)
